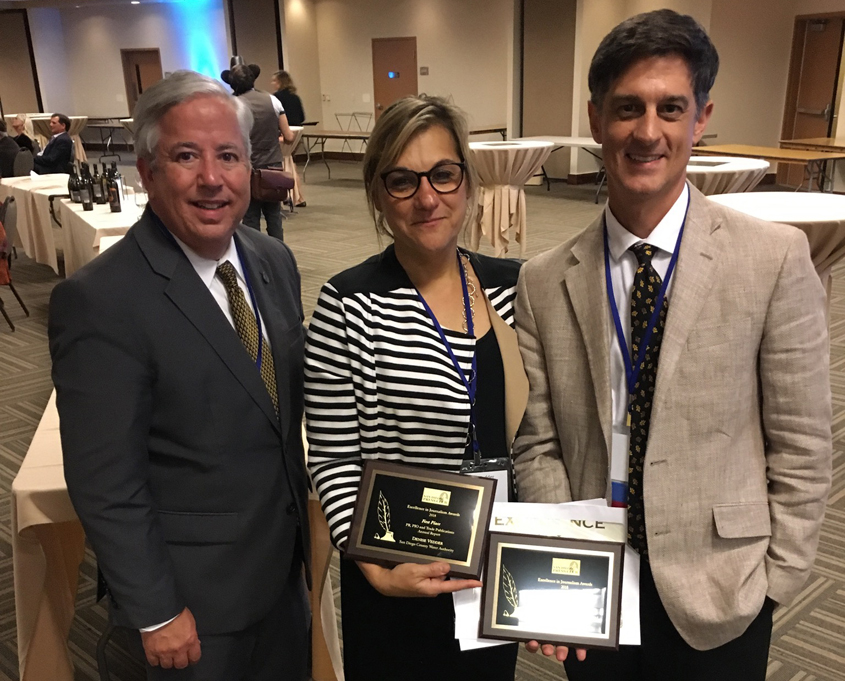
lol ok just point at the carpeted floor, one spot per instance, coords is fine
(333, 232)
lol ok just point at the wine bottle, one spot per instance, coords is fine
(73, 186)
(85, 189)
(114, 192)
(97, 187)
(119, 179)
(104, 182)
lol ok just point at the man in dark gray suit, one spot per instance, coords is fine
(58, 154)
(181, 407)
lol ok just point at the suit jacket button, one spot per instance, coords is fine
(291, 508)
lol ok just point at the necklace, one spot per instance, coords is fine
(470, 288)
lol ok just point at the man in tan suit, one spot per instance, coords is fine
(722, 442)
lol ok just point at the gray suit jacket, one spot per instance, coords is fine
(189, 488)
(739, 453)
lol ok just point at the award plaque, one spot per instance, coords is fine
(552, 590)
(409, 514)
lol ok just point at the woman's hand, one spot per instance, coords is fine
(559, 652)
(411, 579)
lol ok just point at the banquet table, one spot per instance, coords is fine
(84, 229)
(820, 216)
(41, 128)
(48, 546)
(289, 166)
(35, 226)
(725, 174)
(813, 161)
(503, 169)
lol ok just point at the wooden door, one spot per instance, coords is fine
(814, 74)
(141, 68)
(394, 71)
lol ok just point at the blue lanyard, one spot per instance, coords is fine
(632, 371)
(254, 306)
(472, 383)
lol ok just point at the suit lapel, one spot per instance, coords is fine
(585, 283)
(193, 299)
(261, 280)
(695, 272)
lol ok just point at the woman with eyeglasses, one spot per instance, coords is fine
(395, 347)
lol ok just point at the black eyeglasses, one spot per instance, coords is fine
(444, 178)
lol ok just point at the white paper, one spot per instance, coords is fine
(588, 519)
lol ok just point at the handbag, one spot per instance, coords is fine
(270, 184)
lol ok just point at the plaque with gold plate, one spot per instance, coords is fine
(409, 514)
(552, 590)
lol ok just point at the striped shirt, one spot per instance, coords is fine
(379, 383)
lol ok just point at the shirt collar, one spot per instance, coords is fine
(664, 236)
(207, 268)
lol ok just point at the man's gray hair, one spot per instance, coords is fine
(177, 88)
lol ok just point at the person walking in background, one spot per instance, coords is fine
(269, 125)
(286, 94)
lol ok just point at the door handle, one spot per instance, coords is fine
(379, 107)
(814, 112)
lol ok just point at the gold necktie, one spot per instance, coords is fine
(247, 328)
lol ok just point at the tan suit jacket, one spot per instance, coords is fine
(739, 453)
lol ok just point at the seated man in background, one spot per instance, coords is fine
(8, 151)
(57, 155)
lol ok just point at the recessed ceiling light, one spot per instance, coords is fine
(135, 2)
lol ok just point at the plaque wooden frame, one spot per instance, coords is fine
(427, 482)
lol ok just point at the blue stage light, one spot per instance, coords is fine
(196, 20)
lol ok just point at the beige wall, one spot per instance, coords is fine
(302, 56)
(94, 37)
(463, 43)
(548, 70)
(17, 84)
(754, 40)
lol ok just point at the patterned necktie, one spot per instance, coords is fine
(643, 300)
(247, 328)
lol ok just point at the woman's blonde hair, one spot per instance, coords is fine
(396, 127)
(285, 81)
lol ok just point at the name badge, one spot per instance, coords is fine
(619, 467)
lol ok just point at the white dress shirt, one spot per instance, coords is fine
(207, 271)
(623, 267)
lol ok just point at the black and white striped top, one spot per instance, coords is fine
(379, 384)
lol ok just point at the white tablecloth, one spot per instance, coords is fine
(725, 174)
(84, 229)
(820, 216)
(503, 169)
(290, 167)
(35, 227)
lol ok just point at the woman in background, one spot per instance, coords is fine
(286, 94)
(388, 373)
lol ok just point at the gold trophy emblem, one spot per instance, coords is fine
(510, 591)
(384, 518)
